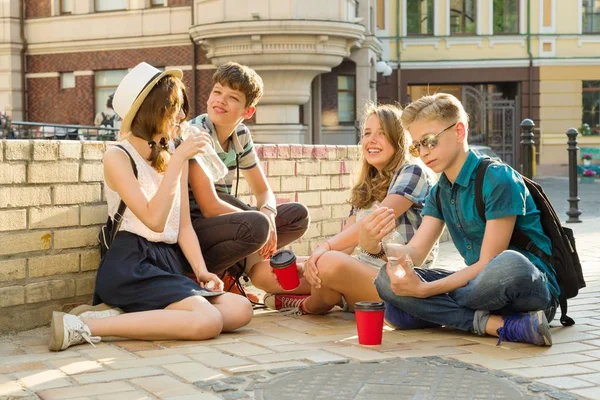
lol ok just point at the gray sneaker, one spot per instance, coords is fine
(101, 310)
(68, 330)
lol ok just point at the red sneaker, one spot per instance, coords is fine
(286, 302)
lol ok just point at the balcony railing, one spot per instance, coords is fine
(38, 130)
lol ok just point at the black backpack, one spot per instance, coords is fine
(564, 258)
(107, 120)
(109, 231)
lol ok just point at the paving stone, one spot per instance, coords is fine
(37, 380)
(88, 390)
(220, 360)
(234, 380)
(147, 362)
(223, 387)
(7, 369)
(244, 349)
(117, 375)
(234, 395)
(165, 386)
(546, 372)
(592, 393)
(135, 395)
(313, 355)
(261, 367)
(76, 365)
(361, 354)
(193, 371)
(566, 382)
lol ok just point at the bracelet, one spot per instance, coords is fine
(378, 255)
(328, 244)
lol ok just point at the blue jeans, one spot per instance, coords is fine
(508, 284)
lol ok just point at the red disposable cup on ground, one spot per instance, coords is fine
(284, 266)
(369, 322)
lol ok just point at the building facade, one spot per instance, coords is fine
(62, 58)
(506, 60)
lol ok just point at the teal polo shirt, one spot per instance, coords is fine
(504, 194)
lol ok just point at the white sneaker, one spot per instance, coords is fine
(68, 330)
(101, 310)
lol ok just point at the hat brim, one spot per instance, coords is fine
(128, 118)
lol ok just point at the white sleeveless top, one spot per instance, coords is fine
(149, 180)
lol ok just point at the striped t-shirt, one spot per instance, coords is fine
(241, 148)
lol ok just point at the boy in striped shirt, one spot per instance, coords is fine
(233, 235)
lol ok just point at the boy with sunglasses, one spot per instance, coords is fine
(505, 292)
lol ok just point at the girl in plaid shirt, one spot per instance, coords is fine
(388, 177)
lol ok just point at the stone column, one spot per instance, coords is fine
(11, 72)
(288, 43)
(366, 76)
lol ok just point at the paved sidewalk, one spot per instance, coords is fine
(227, 366)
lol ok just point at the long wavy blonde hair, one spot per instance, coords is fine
(371, 184)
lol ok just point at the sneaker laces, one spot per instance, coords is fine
(511, 331)
(291, 305)
(80, 333)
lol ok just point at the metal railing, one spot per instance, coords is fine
(38, 130)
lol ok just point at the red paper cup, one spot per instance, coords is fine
(284, 266)
(369, 322)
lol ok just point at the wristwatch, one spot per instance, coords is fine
(268, 207)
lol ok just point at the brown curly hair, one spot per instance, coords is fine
(371, 184)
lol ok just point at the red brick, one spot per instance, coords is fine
(38, 8)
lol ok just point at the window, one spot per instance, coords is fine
(66, 7)
(158, 3)
(591, 16)
(110, 5)
(419, 17)
(506, 16)
(346, 99)
(106, 83)
(591, 105)
(67, 80)
(463, 17)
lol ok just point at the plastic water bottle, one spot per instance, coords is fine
(398, 258)
(210, 162)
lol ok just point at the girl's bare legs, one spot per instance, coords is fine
(193, 318)
(341, 274)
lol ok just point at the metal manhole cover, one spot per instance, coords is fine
(399, 379)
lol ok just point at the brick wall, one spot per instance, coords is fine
(49, 103)
(52, 205)
(175, 3)
(38, 8)
(46, 102)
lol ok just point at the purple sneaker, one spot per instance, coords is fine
(399, 319)
(527, 328)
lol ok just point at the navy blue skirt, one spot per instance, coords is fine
(139, 275)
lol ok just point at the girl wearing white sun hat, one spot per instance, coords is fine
(142, 291)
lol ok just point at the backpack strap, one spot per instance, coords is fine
(518, 238)
(122, 206)
(479, 203)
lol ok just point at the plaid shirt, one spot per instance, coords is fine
(411, 182)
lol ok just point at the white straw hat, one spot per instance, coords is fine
(134, 88)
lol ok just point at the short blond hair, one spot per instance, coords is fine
(435, 107)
